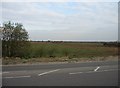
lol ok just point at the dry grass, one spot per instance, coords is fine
(11, 61)
(61, 52)
(71, 50)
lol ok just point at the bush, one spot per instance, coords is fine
(15, 40)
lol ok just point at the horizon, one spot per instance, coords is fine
(72, 41)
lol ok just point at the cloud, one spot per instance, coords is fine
(65, 20)
(60, 1)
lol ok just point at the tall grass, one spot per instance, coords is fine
(70, 50)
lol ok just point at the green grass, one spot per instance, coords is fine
(71, 50)
(61, 52)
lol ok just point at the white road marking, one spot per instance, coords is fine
(5, 72)
(76, 73)
(48, 72)
(96, 69)
(18, 77)
(93, 71)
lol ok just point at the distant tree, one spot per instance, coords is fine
(15, 40)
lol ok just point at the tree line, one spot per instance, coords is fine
(14, 40)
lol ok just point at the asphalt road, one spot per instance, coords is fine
(62, 74)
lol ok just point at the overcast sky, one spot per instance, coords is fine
(78, 21)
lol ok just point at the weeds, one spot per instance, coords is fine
(71, 50)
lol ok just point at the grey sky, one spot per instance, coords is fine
(76, 21)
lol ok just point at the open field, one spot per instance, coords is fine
(71, 50)
(65, 51)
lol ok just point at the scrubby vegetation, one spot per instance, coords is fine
(71, 50)
(15, 44)
(14, 40)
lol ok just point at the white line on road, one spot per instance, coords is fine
(93, 71)
(5, 72)
(75, 73)
(96, 69)
(18, 77)
(48, 72)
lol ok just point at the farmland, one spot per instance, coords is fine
(71, 50)
(64, 51)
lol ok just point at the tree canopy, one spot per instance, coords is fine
(14, 40)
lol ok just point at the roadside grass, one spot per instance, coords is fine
(13, 61)
(60, 52)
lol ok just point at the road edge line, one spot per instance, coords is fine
(18, 77)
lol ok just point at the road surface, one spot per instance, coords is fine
(62, 74)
